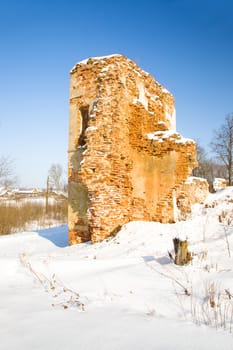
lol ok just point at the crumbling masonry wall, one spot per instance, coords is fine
(126, 161)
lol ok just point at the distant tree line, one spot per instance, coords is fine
(8, 179)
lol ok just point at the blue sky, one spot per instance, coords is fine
(186, 45)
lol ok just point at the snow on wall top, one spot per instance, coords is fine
(163, 135)
(192, 179)
(97, 58)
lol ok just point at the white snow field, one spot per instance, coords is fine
(123, 293)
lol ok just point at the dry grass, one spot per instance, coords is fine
(215, 309)
(226, 219)
(15, 218)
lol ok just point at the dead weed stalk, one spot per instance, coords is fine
(62, 296)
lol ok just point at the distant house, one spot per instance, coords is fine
(26, 192)
(3, 191)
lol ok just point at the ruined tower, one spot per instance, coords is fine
(126, 161)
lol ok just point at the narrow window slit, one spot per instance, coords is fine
(85, 116)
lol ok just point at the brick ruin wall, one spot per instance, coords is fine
(194, 190)
(126, 161)
(219, 184)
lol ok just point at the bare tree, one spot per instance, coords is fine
(206, 167)
(202, 169)
(7, 176)
(222, 145)
(55, 176)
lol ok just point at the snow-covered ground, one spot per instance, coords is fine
(123, 293)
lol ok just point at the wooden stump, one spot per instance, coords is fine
(182, 255)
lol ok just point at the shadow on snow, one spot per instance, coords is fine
(57, 235)
(163, 260)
